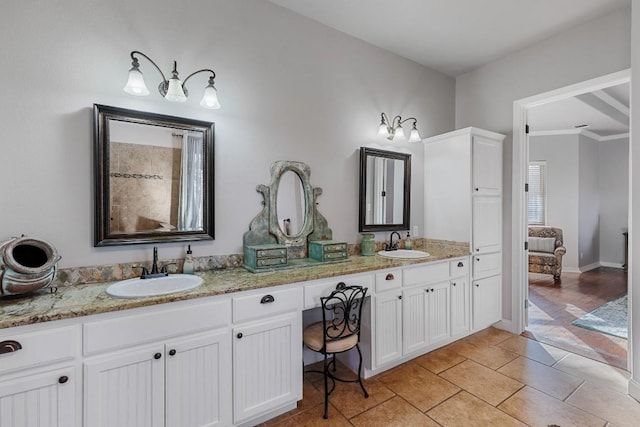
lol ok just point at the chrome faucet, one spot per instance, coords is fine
(392, 246)
(155, 272)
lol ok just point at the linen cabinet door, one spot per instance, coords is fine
(41, 400)
(267, 365)
(487, 302)
(460, 309)
(198, 380)
(126, 390)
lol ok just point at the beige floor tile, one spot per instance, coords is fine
(466, 410)
(418, 386)
(532, 349)
(595, 372)
(542, 377)
(490, 386)
(618, 408)
(312, 418)
(489, 336)
(539, 409)
(439, 360)
(393, 412)
(350, 401)
(489, 356)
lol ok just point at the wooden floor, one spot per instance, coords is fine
(554, 306)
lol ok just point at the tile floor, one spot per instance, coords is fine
(554, 306)
(491, 378)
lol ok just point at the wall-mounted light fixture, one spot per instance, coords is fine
(171, 89)
(392, 130)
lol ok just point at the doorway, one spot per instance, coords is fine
(587, 281)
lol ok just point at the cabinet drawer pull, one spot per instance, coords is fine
(454, 283)
(267, 299)
(63, 379)
(460, 264)
(478, 259)
(157, 356)
(426, 290)
(399, 296)
(477, 286)
(477, 189)
(172, 352)
(389, 277)
(9, 346)
(239, 335)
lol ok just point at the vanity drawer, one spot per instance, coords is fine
(327, 250)
(313, 292)
(109, 334)
(459, 268)
(271, 253)
(426, 274)
(388, 280)
(32, 349)
(264, 304)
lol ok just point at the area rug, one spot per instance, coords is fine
(610, 318)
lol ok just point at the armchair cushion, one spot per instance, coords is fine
(542, 244)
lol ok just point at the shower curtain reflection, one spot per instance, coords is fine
(190, 210)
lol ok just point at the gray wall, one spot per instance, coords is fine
(290, 88)
(589, 203)
(484, 97)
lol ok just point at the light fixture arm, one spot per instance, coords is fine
(204, 70)
(135, 63)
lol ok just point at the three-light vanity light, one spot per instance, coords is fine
(392, 129)
(172, 89)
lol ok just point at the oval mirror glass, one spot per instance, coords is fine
(291, 204)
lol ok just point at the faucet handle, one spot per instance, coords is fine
(145, 272)
(164, 269)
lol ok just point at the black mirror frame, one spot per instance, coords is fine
(406, 158)
(102, 236)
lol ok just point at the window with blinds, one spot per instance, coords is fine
(537, 196)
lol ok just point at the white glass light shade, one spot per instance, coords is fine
(398, 133)
(210, 98)
(414, 136)
(135, 83)
(382, 130)
(175, 92)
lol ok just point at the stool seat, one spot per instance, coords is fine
(313, 338)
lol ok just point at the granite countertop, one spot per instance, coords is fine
(87, 299)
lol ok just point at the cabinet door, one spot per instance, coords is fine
(198, 380)
(267, 365)
(487, 302)
(126, 390)
(487, 224)
(42, 400)
(414, 319)
(459, 306)
(487, 166)
(438, 312)
(388, 327)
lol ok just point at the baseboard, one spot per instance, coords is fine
(611, 264)
(505, 325)
(589, 267)
(634, 389)
(571, 270)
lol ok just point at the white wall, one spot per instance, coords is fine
(484, 97)
(613, 164)
(561, 155)
(589, 203)
(290, 88)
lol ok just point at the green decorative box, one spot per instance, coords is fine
(259, 257)
(328, 250)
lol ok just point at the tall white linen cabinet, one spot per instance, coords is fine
(463, 202)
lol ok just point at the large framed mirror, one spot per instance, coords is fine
(385, 190)
(153, 177)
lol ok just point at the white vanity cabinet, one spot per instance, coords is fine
(181, 378)
(463, 202)
(267, 352)
(39, 382)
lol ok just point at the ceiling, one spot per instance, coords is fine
(458, 36)
(452, 36)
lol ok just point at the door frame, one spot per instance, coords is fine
(520, 147)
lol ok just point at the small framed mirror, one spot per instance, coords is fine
(385, 190)
(153, 177)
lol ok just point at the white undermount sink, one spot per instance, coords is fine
(404, 254)
(140, 288)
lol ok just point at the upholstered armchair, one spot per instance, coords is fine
(546, 249)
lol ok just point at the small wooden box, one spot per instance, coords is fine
(259, 257)
(328, 250)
